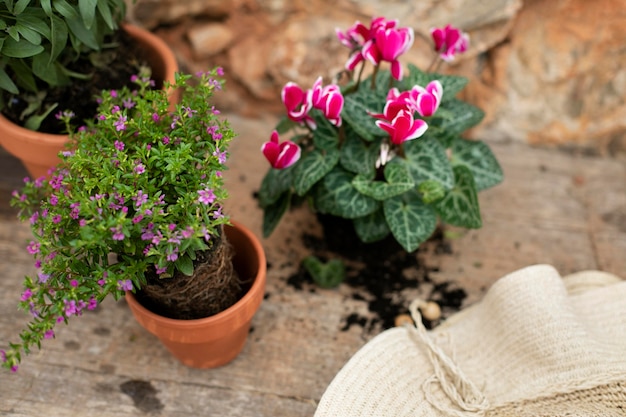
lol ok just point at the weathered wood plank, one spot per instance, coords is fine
(554, 208)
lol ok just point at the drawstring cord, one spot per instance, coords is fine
(461, 391)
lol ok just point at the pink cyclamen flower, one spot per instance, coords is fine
(280, 155)
(403, 127)
(298, 103)
(329, 100)
(449, 41)
(428, 98)
(358, 34)
(388, 45)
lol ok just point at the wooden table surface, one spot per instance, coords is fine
(554, 207)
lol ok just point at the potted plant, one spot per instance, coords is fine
(385, 151)
(59, 55)
(135, 208)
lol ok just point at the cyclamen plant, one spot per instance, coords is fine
(140, 182)
(386, 151)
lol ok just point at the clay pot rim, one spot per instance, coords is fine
(38, 138)
(244, 303)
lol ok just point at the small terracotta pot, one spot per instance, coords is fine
(216, 340)
(39, 151)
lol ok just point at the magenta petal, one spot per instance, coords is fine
(371, 52)
(438, 38)
(386, 126)
(292, 95)
(271, 151)
(289, 155)
(396, 70)
(354, 60)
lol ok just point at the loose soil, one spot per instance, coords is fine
(379, 274)
(117, 66)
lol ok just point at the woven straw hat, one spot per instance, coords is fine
(536, 345)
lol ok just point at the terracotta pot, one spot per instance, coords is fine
(39, 151)
(216, 340)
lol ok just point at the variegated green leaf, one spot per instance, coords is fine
(358, 156)
(312, 167)
(477, 156)
(426, 160)
(460, 206)
(451, 84)
(458, 116)
(274, 184)
(356, 110)
(325, 136)
(274, 212)
(410, 220)
(398, 181)
(349, 202)
(373, 227)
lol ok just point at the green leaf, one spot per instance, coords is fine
(6, 83)
(274, 184)
(34, 122)
(65, 9)
(355, 112)
(23, 74)
(410, 220)
(326, 275)
(84, 35)
(87, 10)
(398, 181)
(373, 227)
(20, 6)
(35, 23)
(285, 124)
(325, 136)
(359, 156)
(477, 156)
(460, 206)
(59, 34)
(274, 212)
(431, 191)
(13, 33)
(29, 34)
(185, 265)
(21, 49)
(349, 203)
(426, 160)
(458, 116)
(312, 167)
(49, 73)
(105, 12)
(46, 5)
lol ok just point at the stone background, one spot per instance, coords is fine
(550, 72)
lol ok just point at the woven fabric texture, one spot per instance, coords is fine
(537, 344)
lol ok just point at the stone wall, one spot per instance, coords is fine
(544, 71)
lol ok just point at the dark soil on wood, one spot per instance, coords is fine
(377, 273)
(79, 96)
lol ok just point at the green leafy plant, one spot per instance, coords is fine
(140, 182)
(40, 39)
(385, 151)
(325, 274)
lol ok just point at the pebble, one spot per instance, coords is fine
(431, 311)
(403, 319)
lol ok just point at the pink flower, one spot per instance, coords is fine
(125, 285)
(327, 99)
(403, 127)
(449, 41)
(388, 45)
(358, 34)
(280, 155)
(207, 196)
(429, 98)
(298, 104)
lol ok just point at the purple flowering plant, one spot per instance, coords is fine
(141, 182)
(385, 151)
